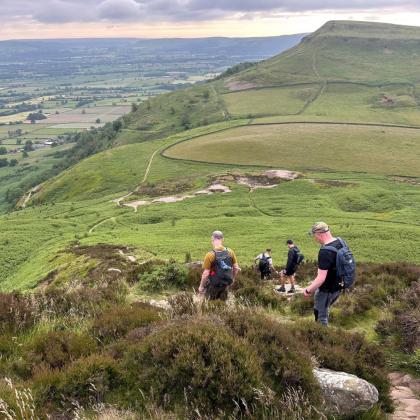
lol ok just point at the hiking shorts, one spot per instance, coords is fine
(290, 272)
(322, 302)
(216, 292)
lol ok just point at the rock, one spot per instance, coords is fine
(345, 394)
(281, 174)
(114, 270)
(219, 188)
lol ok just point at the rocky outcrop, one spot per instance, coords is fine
(345, 394)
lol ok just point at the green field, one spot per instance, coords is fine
(355, 148)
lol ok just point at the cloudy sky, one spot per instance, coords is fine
(189, 18)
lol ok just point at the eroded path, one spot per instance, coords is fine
(405, 392)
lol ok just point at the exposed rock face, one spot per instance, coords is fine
(345, 394)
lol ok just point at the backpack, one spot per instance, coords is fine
(299, 256)
(222, 270)
(264, 265)
(345, 264)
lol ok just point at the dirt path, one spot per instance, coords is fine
(405, 392)
(146, 174)
(102, 222)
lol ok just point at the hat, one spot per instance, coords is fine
(217, 234)
(319, 227)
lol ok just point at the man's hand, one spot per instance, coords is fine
(201, 290)
(306, 293)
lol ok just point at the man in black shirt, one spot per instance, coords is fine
(326, 285)
(291, 267)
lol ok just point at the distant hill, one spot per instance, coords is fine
(345, 51)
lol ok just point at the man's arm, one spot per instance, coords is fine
(319, 280)
(204, 279)
(235, 271)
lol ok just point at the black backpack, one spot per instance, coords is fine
(345, 264)
(299, 256)
(264, 264)
(222, 272)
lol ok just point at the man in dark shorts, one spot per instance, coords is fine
(220, 269)
(326, 286)
(288, 274)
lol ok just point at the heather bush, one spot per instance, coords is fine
(197, 361)
(165, 276)
(339, 350)
(16, 312)
(54, 350)
(286, 363)
(403, 326)
(116, 321)
(87, 380)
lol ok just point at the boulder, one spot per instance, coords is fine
(345, 394)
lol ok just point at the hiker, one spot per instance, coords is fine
(220, 269)
(265, 264)
(336, 271)
(294, 258)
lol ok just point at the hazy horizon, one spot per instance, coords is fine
(159, 19)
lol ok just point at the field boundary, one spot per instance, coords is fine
(242, 165)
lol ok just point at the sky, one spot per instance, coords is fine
(34, 19)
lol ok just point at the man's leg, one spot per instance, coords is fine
(282, 281)
(322, 303)
(320, 307)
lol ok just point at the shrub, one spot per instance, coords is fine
(286, 363)
(16, 312)
(404, 324)
(87, 380)
(167, 276)
(55, 349)
(198, 361)
(117, 321)
(258, 296)
(301, 306)
(344, 351)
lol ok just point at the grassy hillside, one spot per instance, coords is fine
(350, 175)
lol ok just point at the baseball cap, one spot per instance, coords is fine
(217, 234)
(319, 227)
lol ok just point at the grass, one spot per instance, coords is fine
(381, 150)
(270, 101)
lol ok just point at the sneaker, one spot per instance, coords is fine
(281, 289)
(291, 290)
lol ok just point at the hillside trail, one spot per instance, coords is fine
(101, 223)
(146, 174)
(405, 391)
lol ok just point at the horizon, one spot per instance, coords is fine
(140, 38)
(186, 19)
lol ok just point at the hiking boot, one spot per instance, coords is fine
(281, 289)
(291, 290)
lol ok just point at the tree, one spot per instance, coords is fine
(28, 146)
(4, 162)
(117, 125)
(3, 151)
(25, 154)
(98, 121)
(134, 107)
(19, 141)
(13, 162)
(84, 111)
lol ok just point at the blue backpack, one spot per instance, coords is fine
(345, 264)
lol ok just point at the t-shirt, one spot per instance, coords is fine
(210, 257)
(327, 261)
(292, 256)
(269, 259)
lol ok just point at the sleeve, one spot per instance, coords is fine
(233, 255)
(325, 259)
(208, 261)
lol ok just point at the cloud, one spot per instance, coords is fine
(57, 11)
